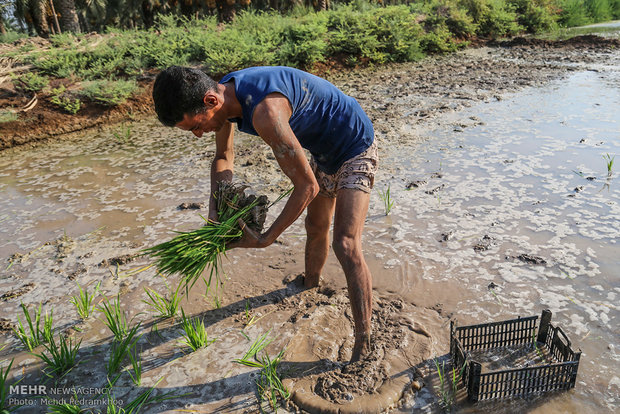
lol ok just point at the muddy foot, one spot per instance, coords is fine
(361, 348)
(311, 281)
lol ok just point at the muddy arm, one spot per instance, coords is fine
(222, 165)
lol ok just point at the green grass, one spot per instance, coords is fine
(124, 134)
(84, 301)
(194, 332)
(34, 335)
(165, 306)
(62, 355)
(136, 365)
(134, 406)
(115, 318)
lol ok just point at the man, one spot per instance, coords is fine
(290, 110)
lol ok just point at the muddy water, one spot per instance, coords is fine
(525, 176)
(474, 191)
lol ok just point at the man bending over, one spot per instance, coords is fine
(290, 110)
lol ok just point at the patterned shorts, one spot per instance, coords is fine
(356, 173)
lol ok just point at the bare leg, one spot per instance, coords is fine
(351, 209)
(318, 221)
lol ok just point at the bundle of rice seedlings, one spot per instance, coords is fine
(189, 253)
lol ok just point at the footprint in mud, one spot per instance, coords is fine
(320, 383)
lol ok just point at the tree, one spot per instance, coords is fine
(68, 16)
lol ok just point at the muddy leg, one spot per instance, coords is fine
(318, 220)
(351, 208)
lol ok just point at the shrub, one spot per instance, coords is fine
(573, 13)
(495, 18)
(535, 15)
(599, 10)
(303, 43)
(108, 92)
(32, 81)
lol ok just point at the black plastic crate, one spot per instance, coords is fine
(558, 373)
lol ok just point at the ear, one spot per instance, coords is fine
(210, 100)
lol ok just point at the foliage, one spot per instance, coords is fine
(84, 301)
(109, 92)
(32, 81)
(62, 355)
(194, 332)
(115, 318)
(166, 306)
(388, 202)
(4, 405)
(35, 335)
(448, 384)
(121, 349)
(60, 98)
(495, 18)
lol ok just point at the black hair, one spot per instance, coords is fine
(178, 91)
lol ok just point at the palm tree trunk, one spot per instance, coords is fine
(39, 17)
(68, 16)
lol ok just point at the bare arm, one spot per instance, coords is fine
(270, 120)
(222, 165)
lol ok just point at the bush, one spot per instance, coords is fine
(63, 100)
(599, 10)
(535, 15)
(495, 18)
(573, 13)
(31, 81)
(109, 92)
(303, 43)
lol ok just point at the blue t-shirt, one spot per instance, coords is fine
(328, 123)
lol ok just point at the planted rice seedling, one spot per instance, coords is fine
(448, 387)
(388, 203)
(115, 318)
(190, 253)
(136, 365)
(62, 355)
(134, 406)
(84, 301)
(4, 405)
(195, 332)
(164, 306)
(610, 163)
(268, 384)
(35, 335)
(65, 408)
(121, 349)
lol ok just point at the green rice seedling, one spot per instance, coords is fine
(136, 405)
(35, 335)
(124, 134)
(190, 253)
(4, 405)
(62, 356)
(136, 365)
(195, 333)
(448, 387)
(65, 408)
(120, 350)
(115, 318)
(388, 203)
(610, 163)
(164, 306)
(84, 301)
(250, 357)
(269, 383)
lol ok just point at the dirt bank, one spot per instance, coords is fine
(443, 83)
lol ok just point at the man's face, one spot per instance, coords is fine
(209, 120)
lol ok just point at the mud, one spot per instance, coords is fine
(438, 256)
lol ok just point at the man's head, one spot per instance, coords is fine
(179, 91)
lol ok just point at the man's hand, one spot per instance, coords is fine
(250, 238)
